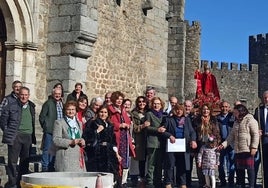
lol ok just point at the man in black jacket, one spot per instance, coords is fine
(261, 115)
(16, 85)
(18, 125)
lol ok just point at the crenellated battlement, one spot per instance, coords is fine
(214, 65)
(192, 24)
(260, 38)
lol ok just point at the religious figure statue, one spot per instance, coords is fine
(207, 88)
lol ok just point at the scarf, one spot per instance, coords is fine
(158, 114)
(73, 129)
(180, 121)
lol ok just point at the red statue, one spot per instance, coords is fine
(207, 88)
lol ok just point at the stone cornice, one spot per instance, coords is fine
(26, 46)
(83, 44)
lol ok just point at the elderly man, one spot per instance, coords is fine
(51, 111)
(188, 106)
(18, 125)
(226, 121)
(171, 103)
(261, 115)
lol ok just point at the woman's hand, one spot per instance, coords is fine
(172, 139)
(73, 142)
(161, 129)
(100, 128)
(119, 158)
(124, 125)
(253, 151)
(146, 124)
(220, 147)
(193, 144)
(81, 142)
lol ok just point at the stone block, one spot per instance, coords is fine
(72, 62)
(83, 23)
(17, 69)
(53, 49)
(69, 9)
(94, 14)
(81, 64)
(30, 74)
(61, 62)
(53, 11)
(60, 74)
(62, 36)
(60, 24)
(61, 2)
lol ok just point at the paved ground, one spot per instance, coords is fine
(194, 180)
(194, 185)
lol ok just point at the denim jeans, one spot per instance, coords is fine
(48, 159)
(227, 157)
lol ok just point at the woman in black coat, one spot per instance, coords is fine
(178, 127)
(101, 151)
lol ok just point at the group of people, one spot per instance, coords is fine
(108, 135)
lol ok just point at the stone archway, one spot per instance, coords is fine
(18, 43)
(3, 38)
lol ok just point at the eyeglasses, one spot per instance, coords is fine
(141, 101)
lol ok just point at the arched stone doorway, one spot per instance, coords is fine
(18, 43)
(3, 38)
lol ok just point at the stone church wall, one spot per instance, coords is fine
(130, 52)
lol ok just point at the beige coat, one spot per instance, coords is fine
(67, 157)
(244, 135)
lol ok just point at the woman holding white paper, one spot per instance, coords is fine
(178, 127)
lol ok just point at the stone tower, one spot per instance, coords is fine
(258, 54)
(183, 52)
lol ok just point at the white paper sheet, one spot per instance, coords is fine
(178, 146)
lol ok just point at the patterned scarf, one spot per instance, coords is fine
(73, 129)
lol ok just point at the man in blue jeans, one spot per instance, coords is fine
(51, 111)
(226, 121)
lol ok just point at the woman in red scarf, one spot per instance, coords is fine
(121, 122)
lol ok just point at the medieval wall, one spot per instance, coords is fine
(237, 82)
(183, 52)
(258, 54)
(130, 52)
(121, 45)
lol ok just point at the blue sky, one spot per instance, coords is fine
(226, 26)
